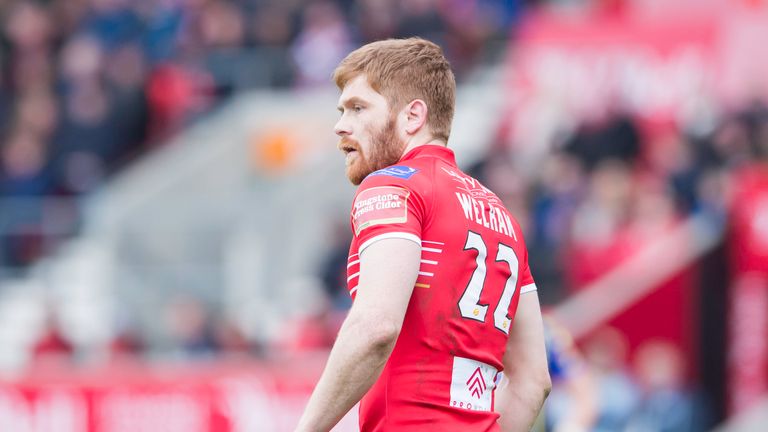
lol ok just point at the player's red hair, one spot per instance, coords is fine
(403, 70)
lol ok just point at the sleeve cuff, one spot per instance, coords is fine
(531, 287)
(401, 235)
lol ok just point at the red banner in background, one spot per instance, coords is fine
(565, 69)
(597, 62)
(675, 65)
(265, 397)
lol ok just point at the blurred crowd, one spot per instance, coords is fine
(606, 389)
(191, 331)
(86, 85)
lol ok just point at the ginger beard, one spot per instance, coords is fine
(385, 150)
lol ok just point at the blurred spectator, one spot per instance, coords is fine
(314, 331)
(571, 406)
(273, 27)
(376, 20)
(190, 328)
(69, 15)
(28, 28)
(712, 195)
(730, 145)
(321, 44)
(665, 406)
(556, 196)
(221, 25)
(618, 396)
(24, 174)
(231, 341)
(597, 240)
(333, 271)
(222, 32)
(52, 346)
(604, 211)
(127, 344)
(600, 139)
(112, 22)
(559, 190)
(37, 112)
(652, 211)
(176, 94)
(24, 169)
(670, 156)
(125, 75)
(422, 18)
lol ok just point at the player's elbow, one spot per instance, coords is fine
(379, 334)
(545, 383)
(539, 386)
(383, 335)
(541, 381)
(535, 381)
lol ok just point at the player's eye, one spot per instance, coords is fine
(357, 108)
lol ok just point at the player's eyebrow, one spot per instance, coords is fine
(349, 102)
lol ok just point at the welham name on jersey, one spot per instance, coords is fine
(475, 199)
(496, 219)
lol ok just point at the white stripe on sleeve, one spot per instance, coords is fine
(402, 235)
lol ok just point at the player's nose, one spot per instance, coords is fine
(342, 127)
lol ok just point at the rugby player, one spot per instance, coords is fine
(445, 308)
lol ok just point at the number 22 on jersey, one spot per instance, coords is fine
(469, 303)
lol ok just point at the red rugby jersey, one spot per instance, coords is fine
(474, 265)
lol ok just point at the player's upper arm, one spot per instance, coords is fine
(525, 356)
(388, 215)
(388, 272)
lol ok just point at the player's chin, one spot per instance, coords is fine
(356, 175)
(355, 179)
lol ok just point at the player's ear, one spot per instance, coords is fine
(416, 116)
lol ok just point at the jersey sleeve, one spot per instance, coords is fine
(388, 206)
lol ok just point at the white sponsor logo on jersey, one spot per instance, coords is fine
(472, 384)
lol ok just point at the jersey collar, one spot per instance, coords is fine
(431, 150)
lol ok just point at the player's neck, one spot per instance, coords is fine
(422, 139)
